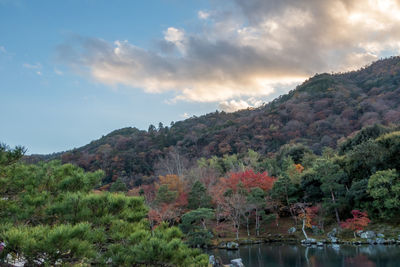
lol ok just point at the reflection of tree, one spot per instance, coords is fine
(359, 260)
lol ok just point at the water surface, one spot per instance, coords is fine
(275, 254)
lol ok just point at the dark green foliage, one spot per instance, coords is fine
(166, 196)
(367, 133)
(194, 226)
(49, 215)
(118, 186)
(384, 188)
(198, 197)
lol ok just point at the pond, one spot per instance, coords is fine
(276, 254)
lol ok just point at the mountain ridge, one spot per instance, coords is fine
(321, 111)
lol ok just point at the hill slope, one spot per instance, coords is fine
(318, 113)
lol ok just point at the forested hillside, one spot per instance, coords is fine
(318, 113)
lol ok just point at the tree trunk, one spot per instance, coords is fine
(237, 231)
(257, 223)
(336, 211)
(247, 225)
(303, 229)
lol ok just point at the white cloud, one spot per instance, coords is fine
(177, 37)
(235, 105)
(185, 115)
(203, 14)
(58, 72)
(249, 49)
(32, 66)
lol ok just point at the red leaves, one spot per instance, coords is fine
(249, 179)
(359, 221)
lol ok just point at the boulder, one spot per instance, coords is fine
(380, 241)
(211, 260)
(232, 245)
(222, 245)
(332, 233)
(320, 244)
(237, 263)
(333, 239)
(309, 241)
(380, 235)
(368, 235)
(292, 230)
(359, 232)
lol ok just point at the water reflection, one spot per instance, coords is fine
(299, 256)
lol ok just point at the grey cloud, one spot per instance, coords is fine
(248, 49)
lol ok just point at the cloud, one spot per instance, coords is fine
(234, 105)
(185, 115)
(248, 49)
(203, 14)
(35, 67)
(3, 49)
(32, 66)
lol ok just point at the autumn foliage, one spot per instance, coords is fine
(359, 221)
(308, 215)
(249, 179)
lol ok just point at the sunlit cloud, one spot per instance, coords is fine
(249, 49)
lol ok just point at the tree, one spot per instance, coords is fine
(257, 201)
(194, 224)
(235, 207)
(198, 196)
(307, 216)
(50, 215)
(359, 221)
(384, 188)
(249, 179)
(332, 179)
(118, 186)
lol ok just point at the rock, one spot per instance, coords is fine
(232, 245)
(359, 232)
(320, 244)
(371, 241)
(292, 230)
(380, 235)
(237, 263)
(368, 235)
(309, 241)
(211, 260)
(333, 233)
(380, 241)
(335, 246)
(222, 245)
(333, 239)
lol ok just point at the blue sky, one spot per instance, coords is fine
(47, 108)
(74, 70)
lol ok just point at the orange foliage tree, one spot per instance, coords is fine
(307, 216)
(249, 179)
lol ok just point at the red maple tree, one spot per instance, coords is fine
(359, 221)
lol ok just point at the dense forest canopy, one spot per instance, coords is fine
(319, 113)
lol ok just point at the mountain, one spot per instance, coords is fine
(318, 113)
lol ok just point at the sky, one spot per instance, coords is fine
(74, 70)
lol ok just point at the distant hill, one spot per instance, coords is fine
(318, 113)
